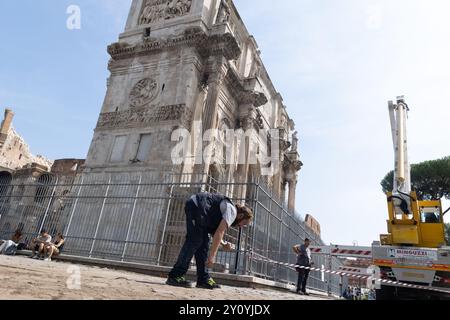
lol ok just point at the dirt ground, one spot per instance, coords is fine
(25, 278)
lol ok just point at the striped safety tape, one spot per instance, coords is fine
(352, 252)
(350, 269)
(395, 283)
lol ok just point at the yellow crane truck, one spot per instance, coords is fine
(414, 250)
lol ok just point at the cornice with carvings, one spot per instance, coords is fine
(218, 44)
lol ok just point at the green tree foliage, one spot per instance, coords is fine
(430, 179)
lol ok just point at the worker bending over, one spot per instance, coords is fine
(206, 214)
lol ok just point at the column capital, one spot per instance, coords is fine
(292, 157)
(292, 166)
(217, 71)
(290, 180)
(254, 98)
(251, 120)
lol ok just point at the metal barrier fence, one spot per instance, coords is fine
(140, 218)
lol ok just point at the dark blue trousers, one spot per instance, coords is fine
(196, 244)
(302, 279)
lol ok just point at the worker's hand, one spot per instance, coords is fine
(210, 262)
(228, 247)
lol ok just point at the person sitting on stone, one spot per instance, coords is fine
(14, 242)
(54, 249)
(38, 244)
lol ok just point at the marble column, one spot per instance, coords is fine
(292, 192)
(292, 166)
(283, 191)
(216, 77)
(279, 178)
(247, 123)
(218, 70)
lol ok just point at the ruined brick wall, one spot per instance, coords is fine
(312, 223)
(14, 151)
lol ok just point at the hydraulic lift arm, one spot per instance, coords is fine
(402, 175)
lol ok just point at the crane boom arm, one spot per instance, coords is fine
(398, 116)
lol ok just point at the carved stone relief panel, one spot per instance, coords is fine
(145, 116)
(143, 92)
(159, 10)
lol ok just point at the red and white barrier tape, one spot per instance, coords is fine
(363, 254)
(339, 251)
(390, 282)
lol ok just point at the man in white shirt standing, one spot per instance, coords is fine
(304, 260)
(206, 214)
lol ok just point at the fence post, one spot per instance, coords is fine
(238, 251)
(254, 227)
(269, 218)
(66, 232)
(165, 224)
(48, 206)
(131, 218)
(330, 257)
(280, 248)
(100, 216)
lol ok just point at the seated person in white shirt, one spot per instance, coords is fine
(38, 244)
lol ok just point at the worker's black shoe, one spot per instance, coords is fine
(209, 284)
(179, 282)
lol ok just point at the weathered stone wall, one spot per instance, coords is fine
(15, 153)
(67, 167)
(313, 224)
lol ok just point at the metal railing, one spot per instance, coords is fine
(140, 218)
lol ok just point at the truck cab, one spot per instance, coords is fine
(423, 227)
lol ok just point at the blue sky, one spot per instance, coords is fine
(335, 62)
